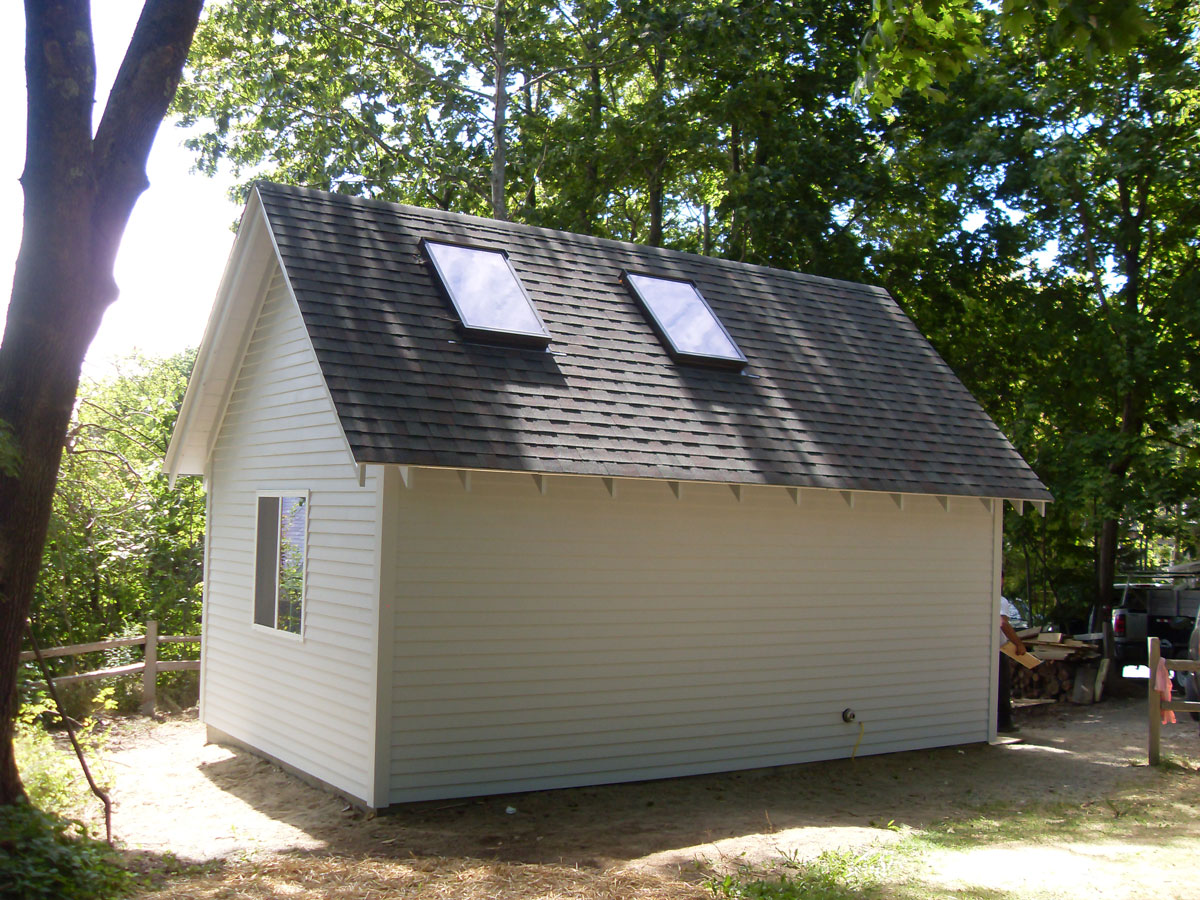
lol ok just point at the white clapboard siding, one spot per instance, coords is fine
(576, 638)
(308, 703)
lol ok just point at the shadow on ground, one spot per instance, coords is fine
(1062, 754)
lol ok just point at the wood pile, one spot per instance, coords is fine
(1064, 661)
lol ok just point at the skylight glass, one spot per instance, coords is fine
(685, 322)
(486, 294)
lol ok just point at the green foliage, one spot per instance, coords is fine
(51, 775)
(1056, 247)
(834, 875)
(292, 530)
(920, 47)
(123, 546)
(1029, 197)
(723, 127)
(45, 857)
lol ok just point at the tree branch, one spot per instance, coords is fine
(141, 93)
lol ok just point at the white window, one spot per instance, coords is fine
(484, 289)
(684, 321)
(280, 554)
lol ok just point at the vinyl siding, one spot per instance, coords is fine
(575, 638)
(308, 702)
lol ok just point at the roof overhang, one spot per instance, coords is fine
(542, 479)
(252, 259)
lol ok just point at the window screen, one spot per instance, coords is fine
(684, 321)
(487, 295)
(279, 562)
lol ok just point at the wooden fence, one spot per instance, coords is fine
(150, 666)
(1157, 704)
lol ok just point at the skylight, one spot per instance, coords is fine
(487, 295)
(685, 322)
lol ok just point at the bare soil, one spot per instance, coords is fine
(265, 833)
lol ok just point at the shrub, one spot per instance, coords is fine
(49, 770)
(46, 857)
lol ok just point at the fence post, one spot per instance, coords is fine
(1154, 655)
(150, 673)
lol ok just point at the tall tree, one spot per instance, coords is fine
(723, 126)
(80, 187)
(404, 101)
(1077, 169)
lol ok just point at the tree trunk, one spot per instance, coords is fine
(587, 222)
(654, 192)
(79, 193)
(499, 114)
(737, 240)
(1133, 210)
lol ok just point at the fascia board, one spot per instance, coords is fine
(221, 347)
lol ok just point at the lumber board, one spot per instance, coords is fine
(1027, 659)
(100, 673)
(178, 665)
(76, 649)
(1054, 653)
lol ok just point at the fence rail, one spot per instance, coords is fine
(149, 668)
(1157, 704)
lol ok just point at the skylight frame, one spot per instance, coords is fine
(680, 355)
(484, 333)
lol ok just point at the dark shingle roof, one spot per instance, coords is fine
(841, 390)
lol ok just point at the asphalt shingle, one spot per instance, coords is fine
(841, 390)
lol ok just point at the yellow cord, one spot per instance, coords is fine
(861, 729)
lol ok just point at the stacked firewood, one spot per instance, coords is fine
(1052, 680)
(1065, 660)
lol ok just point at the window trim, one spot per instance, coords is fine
(274, 628)
(684, 356)
(478, 332)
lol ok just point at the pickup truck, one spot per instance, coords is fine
(1152, 610)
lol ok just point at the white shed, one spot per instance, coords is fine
(494, 508)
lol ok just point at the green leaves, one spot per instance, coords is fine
(1065, 311)
(122, 545)
(1030, 194)
(921, 46)
(43, 857)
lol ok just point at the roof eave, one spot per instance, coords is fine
(221, 348)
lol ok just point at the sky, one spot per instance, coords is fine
(175, 248)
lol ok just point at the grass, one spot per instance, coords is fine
(1134, 828)
(834, 875)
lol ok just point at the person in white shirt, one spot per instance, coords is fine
(1004, 719)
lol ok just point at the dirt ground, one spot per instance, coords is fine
(174, 794)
